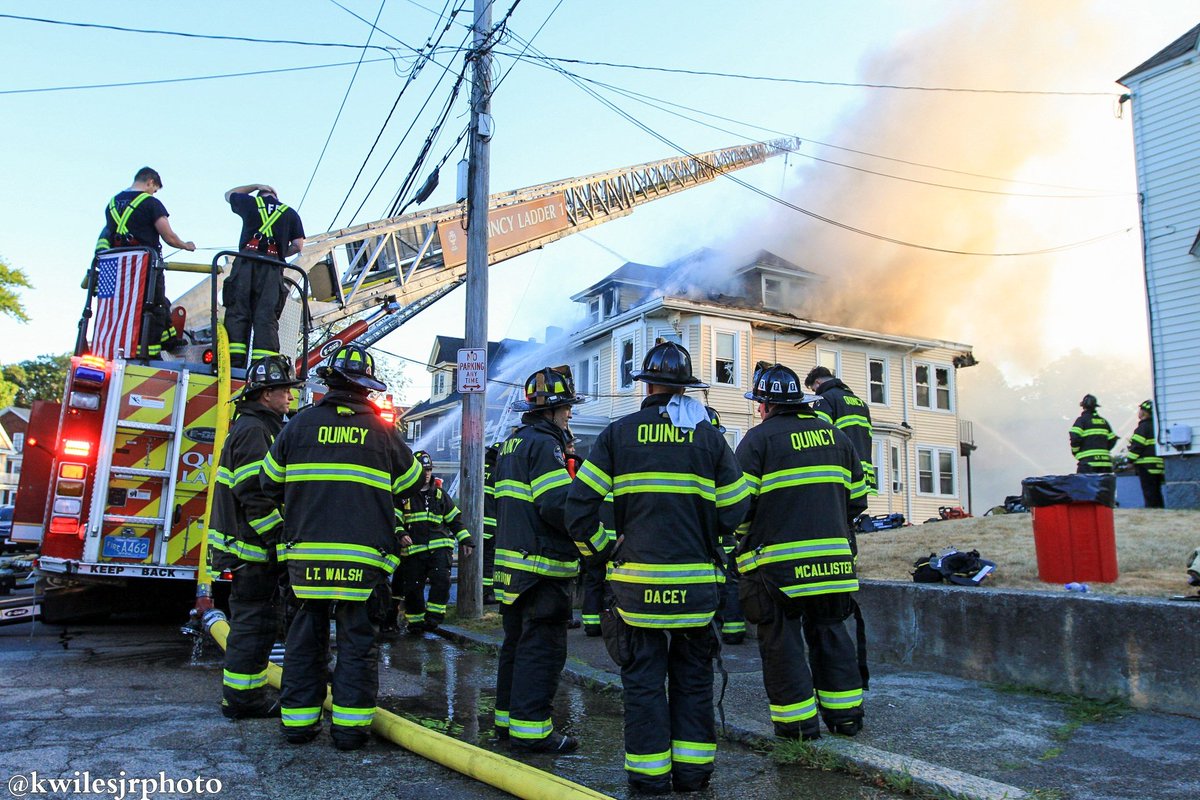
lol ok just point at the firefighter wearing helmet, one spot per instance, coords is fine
(489, 522)
(677, 491)
(1092, 439)
(796, 554)
(244, 529)
(333, 458)
(846, 411)
(535, 562)
(433, 527)
(1143, 454)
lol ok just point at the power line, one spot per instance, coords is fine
(655, 101)
(431, 46)
(345, 97)
(211, 36)
(814, 82)
(189, 79)
(812, 214)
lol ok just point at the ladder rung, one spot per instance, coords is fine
(144, 426)
(141, 473)
(117, 518)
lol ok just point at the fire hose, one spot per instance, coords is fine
(509, 775)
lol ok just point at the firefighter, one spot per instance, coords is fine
(677, 491)
(489, 522)
(797, 560)
(594, 582)
(848, 413)
(535, 563)
(136, 218)
(1092, 439)
(337, 458)
(242, 536)
(433, 526)
(1143, 454)
(254, 292)
(730, 620)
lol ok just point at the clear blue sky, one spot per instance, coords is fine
(66, 152)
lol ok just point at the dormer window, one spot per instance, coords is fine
(594, 312)
(439, 383)
(772, 292)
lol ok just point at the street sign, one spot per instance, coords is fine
(472, 370)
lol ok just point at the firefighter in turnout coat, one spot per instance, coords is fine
(677, 490)
(1143, 454)
(845, 411)
(336, 457)
(245, 527)
(796, 557)
(535, 563)
(433, 527)
(489, 522)
(1092, 439)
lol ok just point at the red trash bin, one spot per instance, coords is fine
(1075, 542)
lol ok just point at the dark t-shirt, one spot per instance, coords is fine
(140, 224)
(285, 229)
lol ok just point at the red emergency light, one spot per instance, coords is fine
(64, 524)
(76, 447)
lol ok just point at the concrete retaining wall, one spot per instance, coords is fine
(1145, 652)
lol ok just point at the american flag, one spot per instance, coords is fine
(120, 291)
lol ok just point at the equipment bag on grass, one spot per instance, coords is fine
(951, 566)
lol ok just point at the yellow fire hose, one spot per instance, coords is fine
(514, 777)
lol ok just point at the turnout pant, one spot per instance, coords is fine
(531, 659)
(670, 735)
(829, 681)
(730, 616)
(1151, 487)
(489, 565)
(255, 612)
(253, 295)
(593, 596)
(432, 566)
(355, 676)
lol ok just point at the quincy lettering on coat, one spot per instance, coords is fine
(664, 433)
(328, 434)
(802, 440)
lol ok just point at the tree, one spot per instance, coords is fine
(40, 378)
(10, 303)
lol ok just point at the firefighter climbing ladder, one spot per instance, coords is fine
(168, 476)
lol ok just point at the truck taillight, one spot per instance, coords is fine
(64, 524)
(76, 447)
(68, 505)
(72, 471)
(85, 401)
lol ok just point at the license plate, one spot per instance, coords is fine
(126, 547)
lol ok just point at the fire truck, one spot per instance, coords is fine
(116, 476)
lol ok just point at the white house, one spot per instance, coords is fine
(1165, 94)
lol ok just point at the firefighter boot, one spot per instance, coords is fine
(556, 743)
(264, 710)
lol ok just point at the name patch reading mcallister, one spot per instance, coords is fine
(328, 434)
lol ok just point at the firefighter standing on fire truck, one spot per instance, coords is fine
(677, 491)
(433, 527)
(136, 218)
(796, 558)
(254, 292)
(535, 563)
(245, 527)
(335, 459)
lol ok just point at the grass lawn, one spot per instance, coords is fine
(1153, 546)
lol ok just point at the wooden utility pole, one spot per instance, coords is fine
(470, 570)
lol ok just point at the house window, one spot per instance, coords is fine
(731, 436)
(932, 385)
(594, 373)
(668, 335)
(877, 381)
(725, 360)
(593, 310)
(414, 430)
(772, 292)
(439, 383)
(12, 467)
(18, 441)
(894, 463)
(831, 360)
(583, 382)
(626, 363)
(936, 471)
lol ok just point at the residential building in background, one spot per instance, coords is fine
(13, 424)
(1165, 94)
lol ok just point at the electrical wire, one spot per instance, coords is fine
(529, 43)
(431, 46)
(337, 117)
(659, 103)
(121, 84)
(211, 36)
(812, 214)
(813, 82)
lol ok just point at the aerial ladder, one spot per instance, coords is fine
(393, 269)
